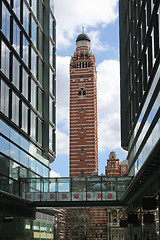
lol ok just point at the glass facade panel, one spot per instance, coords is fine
(4, 146)
(33, 125)
(33, 93)
(4, 98)
(25, 50)
(50, 81)
(34, 31)
(5, 66)
(5, 21)
(39, 131)
(50, 137)
(50, 109)
(16, 37)
(40, 101)
(34, 7)
(24, 117)
(17, 7)
(15, 75)
(33, 63)
(25, 84)
(15, 108)
(40, 71)
(14, 152)
(25, 17)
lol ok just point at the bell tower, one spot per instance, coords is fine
(83, 110)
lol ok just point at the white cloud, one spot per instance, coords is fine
(62, 80)
(62, 142)
(108, 105)
(54, 174)
(71, 15)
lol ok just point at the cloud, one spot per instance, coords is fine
(54, 174)
(75, 14)
(108, 88)
(62, 142)
(62, 80)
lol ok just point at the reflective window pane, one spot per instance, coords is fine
(24, 117)
(25, 84)
(40, 98)
(5, 59)
(16, 7)
(14, 152)
(40, 71)
(15, 108)
(39, 131)
(33, 125)
(33, 93)
(34, 7)
(5, 21)
(16, 37)
(4, 98)
(25, 50)
(34, 31)
(50, 109)
(33, 62)
(25, 17)
(15, 76)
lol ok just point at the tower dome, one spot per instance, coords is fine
(82, 37)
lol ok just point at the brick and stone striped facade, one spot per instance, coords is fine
(83, 110)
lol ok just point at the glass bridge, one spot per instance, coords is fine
(66, 189)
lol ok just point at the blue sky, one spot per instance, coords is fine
(102, 25)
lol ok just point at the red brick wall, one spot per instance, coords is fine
(83, 144)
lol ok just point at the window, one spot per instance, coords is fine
(25, 84)
(33, 94)
(4, 98)
(15, 108)
(33, 125)
(34, 7)
(81, 108)
(50, 109)
(33, 63)
(96, 235)
(15, 76)
(101, 235)
(25, 50)
(82, 174)
(82, 130)
(16, 37)
(39, 135)
(5, 22)
(40, 103)
(5, 59)
(24, 117)
(81, 92)
(50, 137)
(25, 17)
(34, 31)
(17, 7)
(82, 150)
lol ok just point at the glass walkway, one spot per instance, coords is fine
(83, 189)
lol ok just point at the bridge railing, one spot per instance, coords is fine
(74, 189)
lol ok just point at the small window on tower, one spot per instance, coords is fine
(82, 174)
(82, 56)
(82, 150)
(81, 108)
(82, 64)
(82, 130)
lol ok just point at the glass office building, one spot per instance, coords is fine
(140, 88)
(27, 90)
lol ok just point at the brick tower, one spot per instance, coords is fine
(83, 110)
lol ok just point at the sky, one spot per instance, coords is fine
(101, 23)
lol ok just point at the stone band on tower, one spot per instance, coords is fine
(83, 110)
